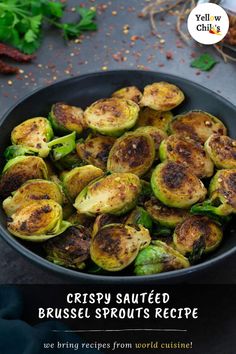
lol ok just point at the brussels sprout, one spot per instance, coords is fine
(19, 170)
(81, 219)
(139, 216)
(162, 96)
(65, 118)
(68, 162)
(19, 150)
(33, 133)
(222, 200)
(38, 221)
(187, 152)
(114, 194)
(70, 249)
(198, 125)
(105, 219)
(32, 190)
(175, 186)
(112, 116)
(164, 215)
(95, 150)
(151, 117)
(133, 152)
(115, 246)
(197, 235)
(78, 178)
(63, 146)
(129, 93)
(156, 134)
(222, 150)
(158, 258)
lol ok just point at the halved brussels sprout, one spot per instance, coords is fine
(139, 216)
(80, 219)
(38, 221)
(187, 152)
(95, 150)
(114, 194)
(70, 249)
(63, 146)
(129, 93)
(164, 215)
(197, 235)
(32, 190)
(112, 116)
(162, 96)
(105, 219)
(65, 118)
(175, 186)
(198, 125)
(33, 133)
(151, 117)
(222, 150)
(19, 150)
(68, 162)
(115, 246)
(222, 201)
(156, 134)
(158, 258)
(78, 178)
(19, 170)
(133, 152)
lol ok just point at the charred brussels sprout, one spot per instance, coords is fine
(114, 194)
(80, 219)
(19, 170)
(112, 116)
(222, 191)
(151, 117)
(198, 125)
(115, 246)
(38, 221)
(105, 219)
(65, 118)
(156, 134)
(187, 152)
(70, 249)
(197, 235)
(162, 96)
(175, 186)
(164, 215)
(158, 258)
(95, 150)
(139, 216)
(32, 190)
(33, 133)
(63, 146)
(78, 178)
(133, 152)
(19, 150)
(222, 150)
(129, 93)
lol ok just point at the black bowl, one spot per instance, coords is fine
(84, 90)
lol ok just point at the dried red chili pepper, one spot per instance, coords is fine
(14, 54)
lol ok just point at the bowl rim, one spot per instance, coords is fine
(78, 275)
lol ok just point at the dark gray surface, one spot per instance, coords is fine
(56, 61)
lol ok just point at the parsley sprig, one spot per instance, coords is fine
(21, 22)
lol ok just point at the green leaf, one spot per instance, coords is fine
(205, 62)
(35, 23)
(30, 36)
(54, 9)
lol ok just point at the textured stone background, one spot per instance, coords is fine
(123, 41)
